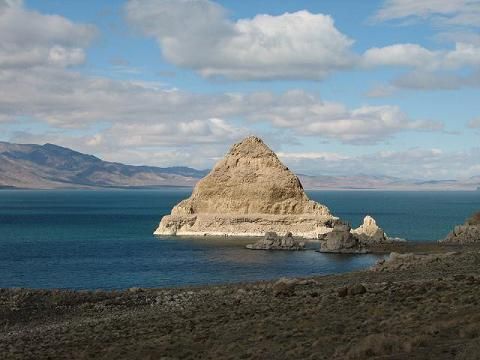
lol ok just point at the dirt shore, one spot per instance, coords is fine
(418, 307)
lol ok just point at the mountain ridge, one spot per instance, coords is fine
(50, 166)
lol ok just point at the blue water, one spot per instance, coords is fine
(103, 239)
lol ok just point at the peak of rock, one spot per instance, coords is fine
(369, 231)
(251, 146)
(369, 222)
(249, 180)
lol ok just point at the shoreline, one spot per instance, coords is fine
(421, 308)
(402, 247)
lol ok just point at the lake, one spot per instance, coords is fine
(81, 239)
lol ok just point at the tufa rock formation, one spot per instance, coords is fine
(341, 240)
(248, 193)
(467, 233)
(369, 232)
(271, 241)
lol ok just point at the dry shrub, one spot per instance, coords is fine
(377, 345)
(470, 331)
(471, 351)
(441, 326)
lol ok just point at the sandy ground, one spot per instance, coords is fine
(415, 308)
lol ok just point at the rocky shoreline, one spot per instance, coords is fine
(415, 306)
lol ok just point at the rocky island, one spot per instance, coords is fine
(251, 193)
(248, 193)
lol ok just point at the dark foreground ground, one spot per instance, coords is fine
(414, 307)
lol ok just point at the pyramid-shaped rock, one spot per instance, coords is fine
(248, 193)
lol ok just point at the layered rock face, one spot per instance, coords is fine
(248, 193)
(467, 233)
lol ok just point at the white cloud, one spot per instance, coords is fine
(474, 123)
(328, 156)
(432, 70)
(413, 55)
(463, 55)
(197, 34)
(184, 133)
(413, 163)
(28, 38)
(425, 80)
(428, 163)
(399, 55)
(458, 22)
(308, 115)
(112, 118)
(138, 114)
(380, 90)
(447, 12)
(459, 36)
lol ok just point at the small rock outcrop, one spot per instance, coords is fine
(468, 233)
(271, 241)
(285, 287)
(352, 290)
(248, 193)
(341, 240)
(369, 232)
(398, 261)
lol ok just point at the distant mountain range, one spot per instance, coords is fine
(51, 166)
(379, 182)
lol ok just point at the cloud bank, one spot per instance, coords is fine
(144, 122)
(198, 34)
(30, 39)
(443, 12)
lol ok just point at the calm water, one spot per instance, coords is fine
(103, 239)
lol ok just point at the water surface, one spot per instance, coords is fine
(103, 239)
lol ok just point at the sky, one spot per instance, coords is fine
(379, 87)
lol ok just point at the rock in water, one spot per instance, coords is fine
(467, 233)
(341, 240)
(248, 193)
(272, 241)
(369, 232)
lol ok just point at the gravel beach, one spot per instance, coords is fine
(416, 306)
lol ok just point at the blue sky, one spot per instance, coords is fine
(385, 87)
